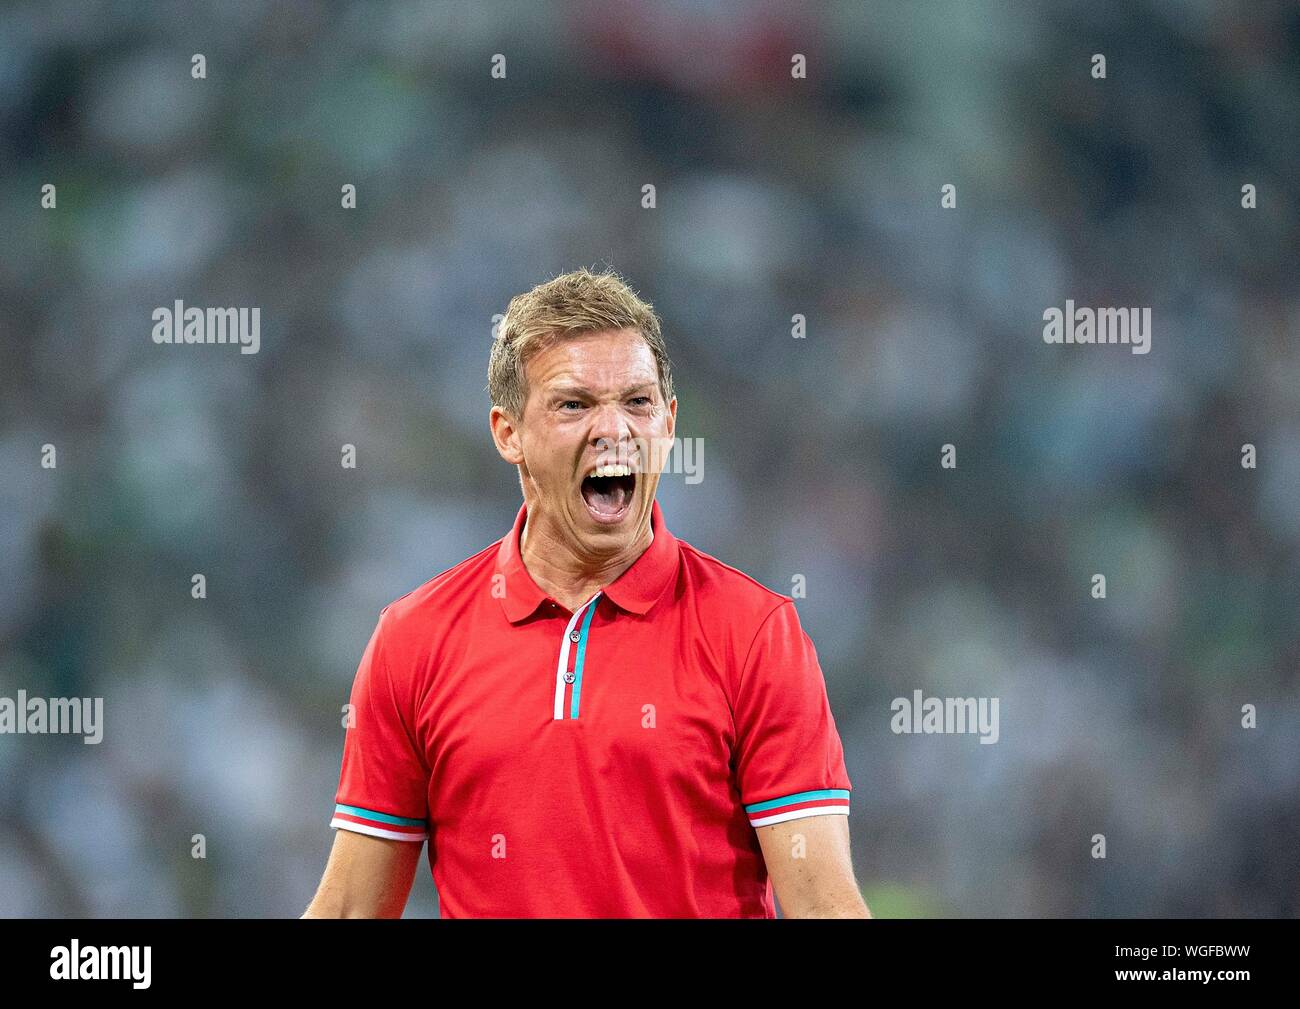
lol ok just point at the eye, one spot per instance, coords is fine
(640, 400)
(570, 402)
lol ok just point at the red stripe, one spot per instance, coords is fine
(798, 805)
(400, 828)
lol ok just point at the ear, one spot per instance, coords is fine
(672, 416)
(505, 435)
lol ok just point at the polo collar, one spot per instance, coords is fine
(635, 590)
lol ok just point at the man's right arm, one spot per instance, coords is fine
(380, 814)
(366, 877)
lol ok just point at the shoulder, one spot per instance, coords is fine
(737, 614)
(728, 595)
(442, 598)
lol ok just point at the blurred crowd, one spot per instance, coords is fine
(775, 196)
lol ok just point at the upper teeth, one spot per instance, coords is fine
(612, 470)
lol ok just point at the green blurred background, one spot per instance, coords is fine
(775, 197)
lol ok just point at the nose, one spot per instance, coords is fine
(609, 428)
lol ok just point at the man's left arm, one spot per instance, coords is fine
(811, 870)
(790, 772)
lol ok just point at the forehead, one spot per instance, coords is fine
(610, 358)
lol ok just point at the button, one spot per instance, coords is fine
(568, 677)
(574, 635)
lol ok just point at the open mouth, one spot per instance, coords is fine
(609, 498)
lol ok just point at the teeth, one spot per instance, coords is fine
(612, 470)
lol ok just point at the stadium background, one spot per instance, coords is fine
(775, 197)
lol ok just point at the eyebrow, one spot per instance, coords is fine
(580, 391)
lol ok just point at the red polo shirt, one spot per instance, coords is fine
(607, 763)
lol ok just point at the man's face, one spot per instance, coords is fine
(593, 402)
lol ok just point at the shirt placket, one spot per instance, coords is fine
(573, 651)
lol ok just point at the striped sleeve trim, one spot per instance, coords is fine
(798, 805)
(376, 824)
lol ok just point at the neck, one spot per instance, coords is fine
(566, 577)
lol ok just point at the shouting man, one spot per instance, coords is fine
(590, 718)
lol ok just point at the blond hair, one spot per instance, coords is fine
(572, 303)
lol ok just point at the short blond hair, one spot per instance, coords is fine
(571, 304)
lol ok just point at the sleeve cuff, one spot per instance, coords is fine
(376, 824)
(798, 805)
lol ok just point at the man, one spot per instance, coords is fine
(590, 718)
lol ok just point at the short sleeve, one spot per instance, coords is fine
(383, 784)
(789, 760)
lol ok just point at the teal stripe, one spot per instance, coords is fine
(582, 655)
(823, 793)
(370, 814)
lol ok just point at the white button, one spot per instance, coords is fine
(574, 635)
(568, 677)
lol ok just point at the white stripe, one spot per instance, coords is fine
(796, 814)
(563, 667)
(365, 828)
